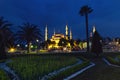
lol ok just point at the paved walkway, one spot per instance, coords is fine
(95, 72)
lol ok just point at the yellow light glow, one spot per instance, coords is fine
(85, 45)
(43, 50)
(50, 46)
(31, 46)
(12, 50)
(68, 45)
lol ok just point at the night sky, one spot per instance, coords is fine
(57, 13)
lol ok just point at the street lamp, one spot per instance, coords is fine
(37, 44)
(18, 45)
(37, 40)
(26, 45)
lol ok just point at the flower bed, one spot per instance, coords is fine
(3, 75)
(114, 60)
(33, 67)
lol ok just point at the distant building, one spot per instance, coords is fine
(57, 36)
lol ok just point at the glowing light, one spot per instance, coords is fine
(18, 45)
(46, 33)
(43, 51)
(85, 45)
(37, 40)
(26, 45)
(12, 50)
(94, 29)
(31, 46)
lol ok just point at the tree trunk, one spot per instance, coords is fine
(29, 47)
(87, 34)
(2, 52)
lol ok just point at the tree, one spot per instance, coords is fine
(71, 41)
(28, 33)
(84, 11)
(62, 42)
(47, 43)
(96, 44)
(6, 37)
(78, 41)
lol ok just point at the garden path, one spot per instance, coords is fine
(97, 71)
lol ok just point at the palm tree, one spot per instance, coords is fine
(6, 37)
(84, 11)
(28, 33)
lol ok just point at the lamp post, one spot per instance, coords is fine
(18, 47)
(37, 45)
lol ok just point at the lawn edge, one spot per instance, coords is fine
(80, 71)
(108, 63)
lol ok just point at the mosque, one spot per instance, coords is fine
(57, 36)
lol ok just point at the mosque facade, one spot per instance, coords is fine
(56, 37)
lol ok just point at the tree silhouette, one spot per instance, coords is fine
(96, 44)
(84, 11)
(62, 42)
(47, 43)
(6, 37)
(71, 41)
(28, 33)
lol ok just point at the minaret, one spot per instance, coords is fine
(94, 29)
(66, 32)
(46, 33)
(91, 34)
(54, 31)
(70, 34)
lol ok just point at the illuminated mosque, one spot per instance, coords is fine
(57, 36)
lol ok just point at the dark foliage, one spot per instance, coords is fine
(71, 42)
(96, 44)
(28, 33)
(6, 37)
(84, 11)
(62, 42)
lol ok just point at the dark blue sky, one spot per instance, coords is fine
(57, 13)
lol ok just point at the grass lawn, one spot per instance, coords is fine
(114, 59)
(33, 67)
(3, 75)
(110, 73)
